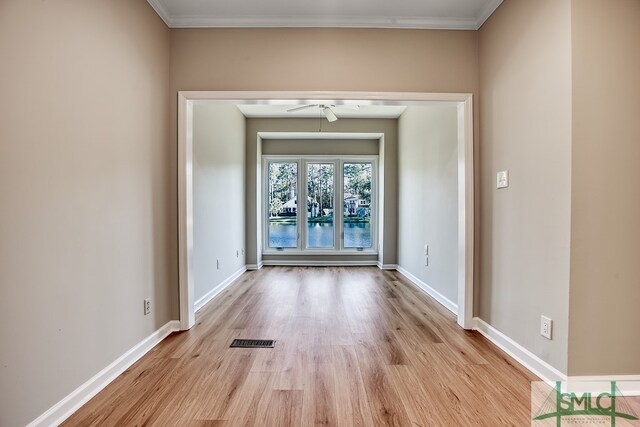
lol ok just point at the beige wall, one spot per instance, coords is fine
(324, 59)
(388, 127)
(525, 121)
(428, 195)
(88, 169)
(605, 245)
(218, 194)
(87, 225)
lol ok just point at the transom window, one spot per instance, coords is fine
(320, 204)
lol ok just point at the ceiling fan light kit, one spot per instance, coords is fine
(329, 114)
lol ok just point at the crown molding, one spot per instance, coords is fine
(305, 21)
(487, 12)
(160, 9)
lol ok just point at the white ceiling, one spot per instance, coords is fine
(365, 111)
(432, 14)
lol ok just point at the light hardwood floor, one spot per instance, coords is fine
(355, 346)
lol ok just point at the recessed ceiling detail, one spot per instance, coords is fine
(423, 14)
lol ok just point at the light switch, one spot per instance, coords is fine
(503, 179)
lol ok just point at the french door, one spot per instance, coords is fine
(320, 205)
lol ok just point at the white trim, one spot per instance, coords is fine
(487, 12)
(381, 198)
(605, 378)
(316, 252)
(185, 212)
(444, 301)
(318, 263)
(216, 290)
(161, 11)
(629, 385)
(382, 266)
(319, 136)
(72, 402)
(291, 98)
(302, 163)
(533, 363)
(465, 160)
(466, 218)
(306, 21)
(254, 267)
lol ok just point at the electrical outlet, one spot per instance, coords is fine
(426, 255)
(147, 306)
(546, 326)
(242, 250)
(218, 264)
(237, 254)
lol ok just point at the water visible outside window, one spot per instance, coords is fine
(320, 200)
(283, 205)
(357, 205)
(319, 206)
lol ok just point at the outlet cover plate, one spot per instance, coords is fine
(502, 179)
(546, 326)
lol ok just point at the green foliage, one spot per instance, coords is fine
(275, 206)
(320, 188)
(282, 185)
(320, 185)
(357, 180)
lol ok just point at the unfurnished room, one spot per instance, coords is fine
(286, 213)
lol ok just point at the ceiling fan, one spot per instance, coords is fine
(326, 109)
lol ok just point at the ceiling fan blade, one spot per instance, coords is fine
(348, 107)
(329, 114)
(302, 107)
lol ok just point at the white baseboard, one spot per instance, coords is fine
(444, 301)
(71, 403)
(533, 363)
(317, 263)
(215, 291)
(629, 385)
(253, 267)
(382, 266)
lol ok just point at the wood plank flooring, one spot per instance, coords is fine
(356, 346)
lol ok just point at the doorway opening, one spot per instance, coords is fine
(324, 185)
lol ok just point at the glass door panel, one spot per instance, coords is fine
(320, 205)
(357, 179)
(283, 205)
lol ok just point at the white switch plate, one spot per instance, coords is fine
(546, 325)
(502, 179)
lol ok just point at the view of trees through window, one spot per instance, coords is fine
(357, 205)
(320, 231)
(283, 205)
(319, 210)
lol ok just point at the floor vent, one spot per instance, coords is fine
(253, 343)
